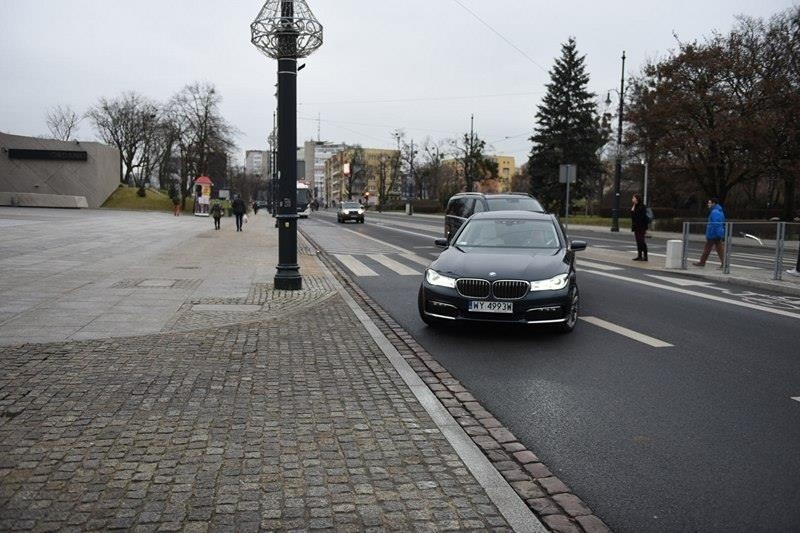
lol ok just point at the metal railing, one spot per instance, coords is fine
(751, 245)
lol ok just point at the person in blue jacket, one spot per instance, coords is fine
(715, 233)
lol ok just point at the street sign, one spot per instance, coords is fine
(567, 172)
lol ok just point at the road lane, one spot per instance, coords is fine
(692, 437)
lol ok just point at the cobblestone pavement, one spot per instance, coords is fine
(236, 407)
(238, 427)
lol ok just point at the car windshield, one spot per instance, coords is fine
(509, 233)
(514, 203)
(350, 205)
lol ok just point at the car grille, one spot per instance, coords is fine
(510, 289)
(475, 288)
(501, 289)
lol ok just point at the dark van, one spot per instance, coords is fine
(465, 204)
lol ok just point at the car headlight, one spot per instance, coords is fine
(360, 211)
(553, 284)
(434, 278)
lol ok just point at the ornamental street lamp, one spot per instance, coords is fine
(618, 168)
(286, 30)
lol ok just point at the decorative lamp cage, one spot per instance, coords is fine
(286, 29)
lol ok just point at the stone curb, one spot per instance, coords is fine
(546, 495)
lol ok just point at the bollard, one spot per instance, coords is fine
(674, 251)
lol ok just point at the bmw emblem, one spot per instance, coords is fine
(492, 274)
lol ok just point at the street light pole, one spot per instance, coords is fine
(287, 30)
(618, 169)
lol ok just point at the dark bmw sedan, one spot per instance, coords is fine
(504, 266)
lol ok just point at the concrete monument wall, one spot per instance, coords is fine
(47, 173)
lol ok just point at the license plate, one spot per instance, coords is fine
(482, 306)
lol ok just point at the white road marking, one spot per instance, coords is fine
(682, 282)
(640, 337)
(796, 398)
(417, 259)
(390, 263)
(404, 252)
(355, 266)
(393, 228)
(697, 294)
(599, 266)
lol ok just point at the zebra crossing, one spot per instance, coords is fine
(373, 264)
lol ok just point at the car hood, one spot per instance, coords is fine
(506, 263)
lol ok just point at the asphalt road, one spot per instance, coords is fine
(685, 420)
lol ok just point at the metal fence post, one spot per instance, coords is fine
(685, 251)
(779, 244)
(726, 269)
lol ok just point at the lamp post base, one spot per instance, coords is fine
(288, 278)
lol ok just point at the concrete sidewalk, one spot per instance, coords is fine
(755, 278)
(152, 379)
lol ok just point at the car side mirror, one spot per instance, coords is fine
(442, 243)
(577, 245)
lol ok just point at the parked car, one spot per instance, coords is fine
(504, 266)
(463, 205)
(259, 204)
(350, 211)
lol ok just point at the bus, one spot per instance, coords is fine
(303, 200)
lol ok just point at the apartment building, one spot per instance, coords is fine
(378, 162)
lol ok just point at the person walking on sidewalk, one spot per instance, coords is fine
(216, 213)
(715, 234)
(238, 207)
(796, 270)
(639, 226)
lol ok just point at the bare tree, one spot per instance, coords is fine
(385, 178)
(126, 122)
(429, 173)
(356, 179)
(62, 122)
(475, 165)
(408, 159)
(202, 131)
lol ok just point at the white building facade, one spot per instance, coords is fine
(316, 153)
(255, 162)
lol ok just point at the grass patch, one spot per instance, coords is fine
(126, 198)
(589, 220)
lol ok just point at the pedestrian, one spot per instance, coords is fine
(715, 233)
(176, 205)
(238, 207)
(639, 226)
(216, 212)
(796, 270)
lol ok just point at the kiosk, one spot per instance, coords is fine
(202, 196)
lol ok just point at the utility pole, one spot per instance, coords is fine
(618, 170)
(471, 154)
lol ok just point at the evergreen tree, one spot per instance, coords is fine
(568, 131)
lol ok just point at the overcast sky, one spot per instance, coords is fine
(422, 66)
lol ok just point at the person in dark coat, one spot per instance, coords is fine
(239, 209)
(639, 226)
(216, 213)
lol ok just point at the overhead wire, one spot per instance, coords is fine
(508, 41)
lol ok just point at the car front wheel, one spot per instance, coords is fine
(572, 314)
